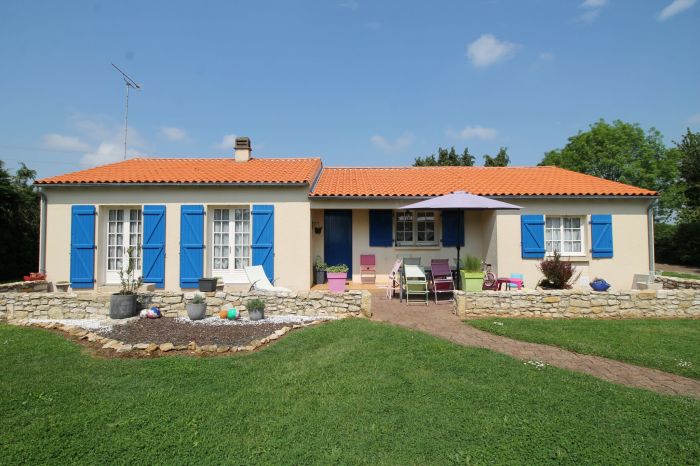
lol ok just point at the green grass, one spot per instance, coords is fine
(662, 344)
(692, 276)
(348, 392)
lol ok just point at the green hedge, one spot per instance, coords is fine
(677, 244)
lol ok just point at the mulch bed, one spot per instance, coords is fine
(179, 332)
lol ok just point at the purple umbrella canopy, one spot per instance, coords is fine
(461, 200)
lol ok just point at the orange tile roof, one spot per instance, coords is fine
(485, 181)
(195, 170)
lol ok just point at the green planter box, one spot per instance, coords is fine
(471, 281)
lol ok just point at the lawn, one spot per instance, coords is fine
(346, 392)
(692, 276)
(669, 345)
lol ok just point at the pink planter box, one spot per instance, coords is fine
(336, 281)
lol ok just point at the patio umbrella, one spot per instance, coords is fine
(461, 201)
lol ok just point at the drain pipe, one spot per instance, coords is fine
(42, 232)
(650, 229)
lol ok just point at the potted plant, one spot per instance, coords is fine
(471, 275)
(337, 275)
(197, 308)
(256, 309)
(208, 284)
(558, 274)
(123, 304)
(319, 271)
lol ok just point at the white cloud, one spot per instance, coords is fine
(107, 152)
(675, 7)
(59, 142)
(227, 142)
(172, 133)
(546, 56)
(694, 120)
(349, 4)
(593, 3)
(473, 132)
(589, 16)
(402, 142)
(487, 50)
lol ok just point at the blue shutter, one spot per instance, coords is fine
(452, 228)
(601, 236)
(191, 245)
(264, 239)
(154, 245)
(532, 236)
(380, 228)
(82, 246)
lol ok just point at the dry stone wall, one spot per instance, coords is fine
(673, 283)
(86, 305)
(569, 304)
(25, 287)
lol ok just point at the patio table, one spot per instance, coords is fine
(507, 280)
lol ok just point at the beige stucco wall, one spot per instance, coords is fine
(495, 237)
(292, 221)
(630, 239)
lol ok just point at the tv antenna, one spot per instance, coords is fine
(129, 83)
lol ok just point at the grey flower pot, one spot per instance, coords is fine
(256, 314)
(122, 306)
(196, 311)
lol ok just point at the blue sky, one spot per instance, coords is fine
(353, 81)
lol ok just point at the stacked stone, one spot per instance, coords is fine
(580, 303)
(25, 287)
(89, 305)
(673, 283)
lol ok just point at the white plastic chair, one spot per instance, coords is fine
(258, 279)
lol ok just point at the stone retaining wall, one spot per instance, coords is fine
(85, 305)
(25, 287)
(673, 283)
(569, 304)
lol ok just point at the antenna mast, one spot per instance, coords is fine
(129, 83)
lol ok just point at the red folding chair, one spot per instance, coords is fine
(368, 270)
(441, 282)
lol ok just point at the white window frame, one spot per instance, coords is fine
(238, 215)
(131, 220)
(414, 219)
(561, 230)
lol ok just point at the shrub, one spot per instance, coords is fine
(320, 265)
(557, 273)
(198, 299)
(471, 264)
(256, 304)
(340, 268)
(130, 283)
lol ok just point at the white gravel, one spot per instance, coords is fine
(289, 319)
(87, 324)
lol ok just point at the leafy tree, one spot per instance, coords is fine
(19, 223)
(500, 160)
(624, 152)
(446, 157)
(689, 149)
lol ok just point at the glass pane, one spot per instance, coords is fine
(224, 264)
(120, 215)
(224, 214)
(217, 251)
(567, 234)
(224, 238)
(238, 214)
(576, 246)
(576, 222)
(217, 214)
(224, 227)
(225, 251)
(567, 246)
(576, 234)
(217, 264)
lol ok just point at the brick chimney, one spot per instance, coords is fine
(241, 150)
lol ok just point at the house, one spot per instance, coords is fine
(210, 217)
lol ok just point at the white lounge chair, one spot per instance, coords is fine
(258, 279)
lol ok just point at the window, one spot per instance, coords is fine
(415, 228)
(564, 235)
(124, 231)
(227, 255)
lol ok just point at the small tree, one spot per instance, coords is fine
(499, 160)
(558, 274)
(130, 283)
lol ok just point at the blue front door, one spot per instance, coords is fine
(337, 238)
